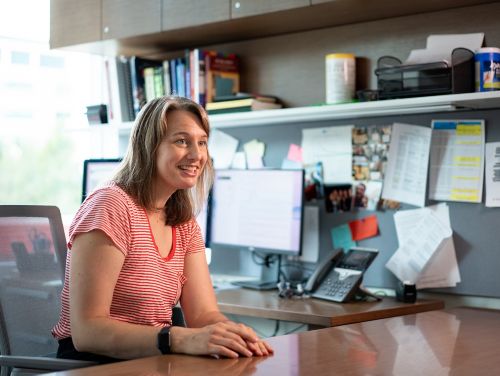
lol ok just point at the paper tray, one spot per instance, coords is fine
(396, 80)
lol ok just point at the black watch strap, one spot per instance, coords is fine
(164, 340)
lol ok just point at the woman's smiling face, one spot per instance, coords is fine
(182, 154)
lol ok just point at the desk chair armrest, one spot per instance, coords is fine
(41, 363)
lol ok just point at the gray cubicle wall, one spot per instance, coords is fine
(476, 229)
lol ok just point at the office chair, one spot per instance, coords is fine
(32, 262)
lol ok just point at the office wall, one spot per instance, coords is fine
(474, 226)
(292, 67)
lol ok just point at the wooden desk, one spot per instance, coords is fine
(315, 312)
(458, 342)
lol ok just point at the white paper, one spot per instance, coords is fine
(457, 160)
(412, 256)
(442, 270)
(254, 151)
(333, 147)
(222, 148)
(440, 47)
(310, 238)
(239, 161)
(287, 164)
(492, 174)
(406, 175)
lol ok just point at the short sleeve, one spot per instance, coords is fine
(104, 210)
(196, 242)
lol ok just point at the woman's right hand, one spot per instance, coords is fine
(223, 339)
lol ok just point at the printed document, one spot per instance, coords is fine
(406, 175)
(413, 255)
(442, 270)
(333, 147)
(440, 47)
(222, 148)
(254, 151)
(457, 160)
(493, 174)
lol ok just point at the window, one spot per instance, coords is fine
(44, 133)
(18, 57)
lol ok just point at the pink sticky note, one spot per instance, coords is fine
(295, 153)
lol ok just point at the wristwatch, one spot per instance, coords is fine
(164, 340)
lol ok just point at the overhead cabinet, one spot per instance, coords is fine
(245, 8)
(74, 22)
(130, 18)
(181, 14)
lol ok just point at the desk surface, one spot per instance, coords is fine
(458, 342)
(267, 304)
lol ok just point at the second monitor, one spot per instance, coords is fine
(258, 210)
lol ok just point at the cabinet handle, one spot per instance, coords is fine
(237, 5)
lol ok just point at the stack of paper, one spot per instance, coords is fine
(426, 253)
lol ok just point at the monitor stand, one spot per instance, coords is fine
(269, 275)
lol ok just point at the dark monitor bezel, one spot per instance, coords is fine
(86, 164)
(266, 251)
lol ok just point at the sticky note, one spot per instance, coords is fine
(342, 238)
(364, 228)
(295, 153)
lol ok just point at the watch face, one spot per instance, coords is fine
(164, 340)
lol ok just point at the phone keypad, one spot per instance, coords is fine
(336, 289)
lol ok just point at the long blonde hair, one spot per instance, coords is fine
(137, 171)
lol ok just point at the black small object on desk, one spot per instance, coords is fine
(406, 292)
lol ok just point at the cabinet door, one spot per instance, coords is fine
(178, 14)
(244, 8)
(74, 22)
(128, 18)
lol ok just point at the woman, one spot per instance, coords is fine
(135, 250)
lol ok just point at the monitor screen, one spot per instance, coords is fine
(258, 210)
(96, 172)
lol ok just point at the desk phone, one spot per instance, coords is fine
(339, 277)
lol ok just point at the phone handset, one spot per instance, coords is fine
(322, 269)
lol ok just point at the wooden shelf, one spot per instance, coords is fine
(406, 106)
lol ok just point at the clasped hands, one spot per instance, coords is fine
(222, 339)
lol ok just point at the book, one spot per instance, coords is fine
(125, 88)
(180, 71)
(173, 76)
(222, 75)
(158, 81)
(137, 66)
(167, 82)
(197, 68)
(149, 83)
(243, 95)
(240, 105)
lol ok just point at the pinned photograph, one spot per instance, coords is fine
(314, 184)
(338, 198)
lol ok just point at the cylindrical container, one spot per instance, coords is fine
(487, 69)
(340, 77)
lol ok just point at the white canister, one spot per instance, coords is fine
(340, 77)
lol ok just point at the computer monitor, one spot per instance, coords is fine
(258, 210)
(96, 172)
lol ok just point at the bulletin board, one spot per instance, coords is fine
(476, 233)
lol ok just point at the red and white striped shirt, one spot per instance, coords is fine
(148, 285)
